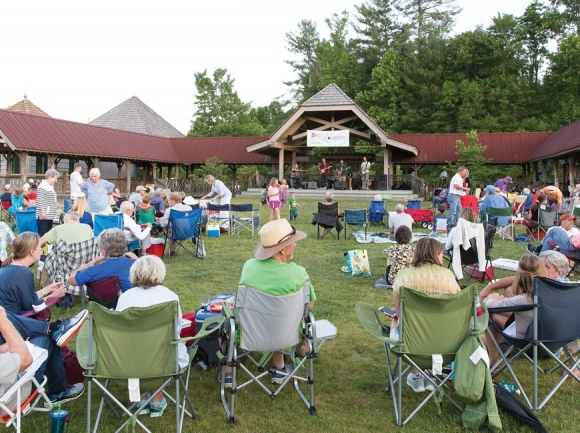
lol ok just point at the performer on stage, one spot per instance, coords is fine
(324, 169)
(364, 172)
(295, 177)
(342, 170)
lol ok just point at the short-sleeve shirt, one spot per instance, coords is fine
(275, 197)
(118, 266)
(400, 257)
(456, 179)
(430, 279)
(98, 199)
(70, 232)
(17, 292)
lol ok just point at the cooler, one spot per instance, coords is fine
(157, 247)
(209, 345)
(213, 228)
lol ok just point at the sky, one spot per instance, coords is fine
(77, 59)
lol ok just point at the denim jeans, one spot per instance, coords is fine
(35, 331)
(454, 209)
(559, 236)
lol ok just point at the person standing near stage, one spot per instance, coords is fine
(295, 178)
(456, 190)
(46, 202)
(364, 172)
(324, 169)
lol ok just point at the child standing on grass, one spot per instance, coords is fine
(283, 192)
(293, 205)
(274, 196)
(264, 197)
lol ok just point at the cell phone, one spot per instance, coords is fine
(388, 312)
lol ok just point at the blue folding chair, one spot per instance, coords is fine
(104, 222)
(357, 220)
(184, 229)
(68, 205)
(377, 212)
(26, 221)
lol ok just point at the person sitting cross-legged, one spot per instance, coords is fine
(561, 237)
(132, 230)
(113, 261)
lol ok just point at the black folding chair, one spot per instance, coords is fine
(327, 217)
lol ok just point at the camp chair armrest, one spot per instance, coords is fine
(209, 326)
(511, 309)
(482, 321)
(227, 311)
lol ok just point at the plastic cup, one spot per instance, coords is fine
(58, 420)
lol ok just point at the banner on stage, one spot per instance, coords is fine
(327, 138)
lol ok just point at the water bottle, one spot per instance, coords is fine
(479, 308)
(514, 390)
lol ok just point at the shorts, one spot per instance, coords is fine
(274, 204)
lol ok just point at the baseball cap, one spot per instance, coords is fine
(567, 216)
(139, 188)
(490, 189)
(7, 186)
(508, 178)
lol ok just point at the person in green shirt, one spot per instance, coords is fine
(293, 205)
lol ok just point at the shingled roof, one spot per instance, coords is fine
(330, 95)
(25, 106)
(135, 116)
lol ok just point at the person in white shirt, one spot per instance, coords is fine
(223, 193)
(132, 230)
(76, 180)
(456, 190)
(399, 218)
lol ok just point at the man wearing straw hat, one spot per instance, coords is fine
(271, 271)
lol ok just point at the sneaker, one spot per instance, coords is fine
(280, 375)
(143, 409)
(228, 381)
(417, 383)
(69, 394)
(532, 248)
(156, 408)
(69, 328)
(428, 385)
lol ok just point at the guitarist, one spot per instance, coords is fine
(364, 172)
(341, 170)
(324, 169)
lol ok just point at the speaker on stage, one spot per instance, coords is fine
(340, 184)
(382, 185)
(356, 183)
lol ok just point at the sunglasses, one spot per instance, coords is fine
(293, 232)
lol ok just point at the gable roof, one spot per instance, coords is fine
(135, 116)
(329, 109)
(25, 106)
(502, 147)
(563, 141)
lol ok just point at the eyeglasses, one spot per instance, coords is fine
(293, 232)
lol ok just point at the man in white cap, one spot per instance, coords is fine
(137, 197)
(76, 180)
(8, 190)
(271, 271)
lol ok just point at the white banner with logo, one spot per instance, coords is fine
(327, 138)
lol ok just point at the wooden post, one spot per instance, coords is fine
(128, 175)
(154, 171)
(23, 156)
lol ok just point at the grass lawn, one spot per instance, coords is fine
(350, 371)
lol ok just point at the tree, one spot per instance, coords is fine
(535, 34)
(220, 111)
(424, 14)
(471, 156)
(272, 115)
(569, 17)
(304, 44)
(212, 166)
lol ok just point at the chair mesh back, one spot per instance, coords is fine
(355, 216)
(547, 216)
(184, 224)
(435, 324)
(105, 292)
(218, 207)
(270, 322)
(104, 222)
(134, 342)
(241, 207)
(329, 210)
(146, 215)
(558, 306)
(26, 222)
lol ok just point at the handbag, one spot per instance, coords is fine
(357, 262)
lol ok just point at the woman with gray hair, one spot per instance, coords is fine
(46, 202)
(97, 191)
(147, 275)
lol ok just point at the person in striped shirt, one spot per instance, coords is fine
(46, 202)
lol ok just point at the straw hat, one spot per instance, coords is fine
(275, 236)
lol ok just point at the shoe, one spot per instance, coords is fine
(156, 408)
(417, 383)
(143, 409)
(428, 385)
(228, 381)
(69, 328)
(280, 375)
(531, 248)
(69, 394)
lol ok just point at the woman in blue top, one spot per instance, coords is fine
(98, 191)
(17, 291)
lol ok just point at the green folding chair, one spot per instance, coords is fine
(137, 343)
(427, 326)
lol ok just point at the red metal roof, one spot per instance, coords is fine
(227, 149)
(502, 147)
(560, 142)
(47, 135)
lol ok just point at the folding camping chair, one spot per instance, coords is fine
(244, 217)
(505, 232)
(427, 326)
(377, 212)
(26, 221)
(327, 217)
(357, 220)
(137, 343)
(14, 404)
(269, 323)
(67, 205)
(145, 216)
(555, 324)
(184, 231)
(519, 200)
(546, 219)
(6, 216)
(219, 212)
(105, 222)
(471, 202)
(105, 292)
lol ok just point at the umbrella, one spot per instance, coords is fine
(511, 405)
